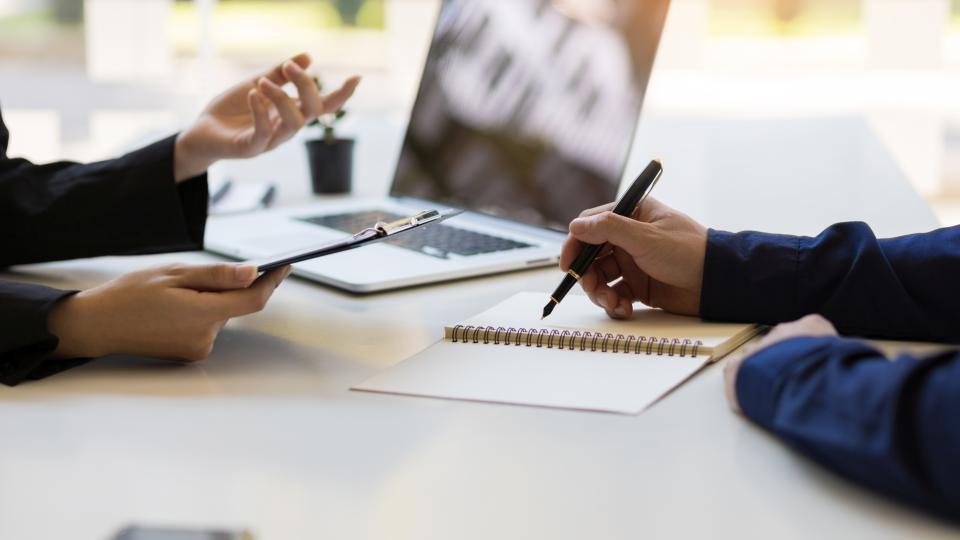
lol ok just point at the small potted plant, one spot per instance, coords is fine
(330, 157)
(348, 10)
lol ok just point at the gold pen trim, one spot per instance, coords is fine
(575, 275)
(555, 301)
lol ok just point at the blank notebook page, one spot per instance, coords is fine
(562, 371)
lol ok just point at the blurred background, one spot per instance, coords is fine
(87, 79)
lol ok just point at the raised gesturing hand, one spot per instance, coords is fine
(255, 116)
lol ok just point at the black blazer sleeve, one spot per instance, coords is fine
(64, 210)
(129, 205)
(25, 342)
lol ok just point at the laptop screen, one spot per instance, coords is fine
(527, 108)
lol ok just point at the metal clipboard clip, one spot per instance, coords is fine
(426, 217)
(379, 231)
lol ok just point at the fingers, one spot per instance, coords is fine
(598, 210)
(291, 114)
(816, 325)
(595, 286)
(335, 100)
(302, 60)
(291, 119)
(571, 248)
(614, 293)
(810, 325)
(635, 284)
(276, 74)
(311, 104)
(620, 231)
(214, 308)
(649, 209)
(612, 264)
(250, 300)
(213, 277)
(262, 126)
(644, 211)
(617, 299)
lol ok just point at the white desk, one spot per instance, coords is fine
(266, 435)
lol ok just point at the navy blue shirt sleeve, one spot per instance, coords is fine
(903, 287)
(890, 425)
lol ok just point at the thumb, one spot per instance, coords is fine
(335, 100)
(620, 231)
(217, 277)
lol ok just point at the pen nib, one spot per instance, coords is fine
(548, 309)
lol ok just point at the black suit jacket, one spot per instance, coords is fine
(130, 205)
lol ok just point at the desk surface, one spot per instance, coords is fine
(266, 435)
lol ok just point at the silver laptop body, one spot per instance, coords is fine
(524, 117)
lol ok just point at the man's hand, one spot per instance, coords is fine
(655, 257)
(255, 116)
(809, 326)
(173, 311)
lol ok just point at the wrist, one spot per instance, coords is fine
(72, 320)
(187, 161)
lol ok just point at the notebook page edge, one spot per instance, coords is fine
(407, 378)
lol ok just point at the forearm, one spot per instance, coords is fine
(190, 158)
(889, 425)
(122, 206)
(900, 288)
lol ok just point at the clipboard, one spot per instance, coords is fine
(376, 233)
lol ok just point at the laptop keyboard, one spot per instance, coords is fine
(437, 240)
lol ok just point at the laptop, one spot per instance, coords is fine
(524, 117)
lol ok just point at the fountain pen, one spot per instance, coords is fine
(638, 191)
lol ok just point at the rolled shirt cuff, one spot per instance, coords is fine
(750, 277)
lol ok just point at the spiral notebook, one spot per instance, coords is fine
(578, 358)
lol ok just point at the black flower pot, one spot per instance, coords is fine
(331, 165)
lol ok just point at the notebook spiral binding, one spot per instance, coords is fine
(575, 340)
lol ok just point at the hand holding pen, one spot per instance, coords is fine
(624, 207)
(656, 257)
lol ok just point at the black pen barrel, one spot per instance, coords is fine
(564, 287)
(577, 269)
(643, 184)
(583, 261)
